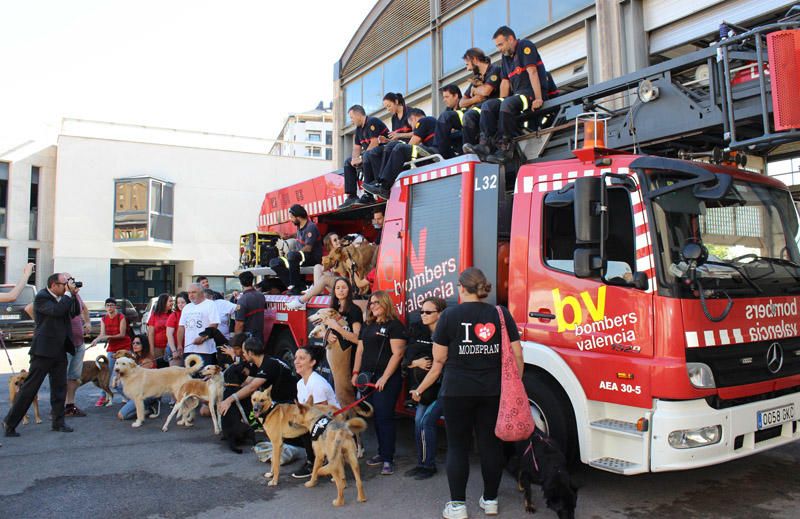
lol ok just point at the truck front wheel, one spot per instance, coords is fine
(283, 347)
(552, 412)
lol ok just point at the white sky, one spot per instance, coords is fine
(228, 66)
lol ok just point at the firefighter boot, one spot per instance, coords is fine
(504, 153)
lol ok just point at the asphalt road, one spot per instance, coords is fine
(106, 468)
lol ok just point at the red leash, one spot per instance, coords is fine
(359, 387)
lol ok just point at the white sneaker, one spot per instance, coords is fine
(489, 507)
(296, 304)
(455, 510)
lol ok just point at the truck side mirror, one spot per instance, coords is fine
(588, 210)
(587, 263)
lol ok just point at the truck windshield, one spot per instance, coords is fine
(751, 234)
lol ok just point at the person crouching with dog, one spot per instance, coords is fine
(381, 346)
(419, 358)
(114, 331)
(466, 345)
(53, 308)
(144, 359)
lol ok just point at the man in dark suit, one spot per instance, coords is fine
(53, 309)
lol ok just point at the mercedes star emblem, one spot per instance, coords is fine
(774, 358)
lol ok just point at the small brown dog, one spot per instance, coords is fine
(279, 421)
(335, 441)
(97, 371)
(209, 390)
(14, 383)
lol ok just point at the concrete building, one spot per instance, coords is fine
(415, 46)
(307, 134)
(141, 210)
(27, 189)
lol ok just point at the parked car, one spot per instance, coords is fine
(147, 311)
(15, 323)
(97, 309)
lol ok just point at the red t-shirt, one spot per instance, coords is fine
(173, 321)
(112, 325)
(159, 324)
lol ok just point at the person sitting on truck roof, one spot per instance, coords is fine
(422, 143)
(310, 253)
(484, 85)
(449, 126)
(523, 88)
(369, 130)
(323, 278)
(394, 103)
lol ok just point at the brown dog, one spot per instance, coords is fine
(338, 358)
(279, 421)
(209, 390)
(14, 383)
(336, 443)
(97, 371)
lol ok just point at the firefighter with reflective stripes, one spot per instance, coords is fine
(523, 88)
(369, 131)
(484, 85)
(450, 126)
(422, 143)
(310, 253)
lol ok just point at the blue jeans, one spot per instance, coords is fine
(384, 402)
(128, 411)
(425, 432)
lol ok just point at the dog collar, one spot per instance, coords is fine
(268, 411)
(319, 427)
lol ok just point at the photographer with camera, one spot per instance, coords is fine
(53, 308)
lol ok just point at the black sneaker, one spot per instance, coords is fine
(349, 202)
(425, 473)
(377, 190)
(413, 472)
(481, 149)
(367, 198)
(303, 472)
(375, 461)
(501, 156)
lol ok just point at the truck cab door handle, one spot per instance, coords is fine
(543, 314)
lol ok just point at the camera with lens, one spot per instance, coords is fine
(78, 284)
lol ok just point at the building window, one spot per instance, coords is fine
(2, 264)
(328, 138)
(373, 90)
(33, 222)
(143, 210)
(486, 18)
(528, 16)
(394, 74)
(313, 151)
(456, 38)
(562, 8)
(314, 136)
(33, 257)
(419, 65)
(787, 171)
(328, 154)
(352, 94)
(3, 199)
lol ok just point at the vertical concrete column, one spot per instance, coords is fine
(609, 51)
(338, 117)
(436, 58)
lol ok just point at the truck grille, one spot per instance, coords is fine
(741, 364)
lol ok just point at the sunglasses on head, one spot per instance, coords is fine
(428, 312)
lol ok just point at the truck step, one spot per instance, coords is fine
(617, 427)
(617, 466)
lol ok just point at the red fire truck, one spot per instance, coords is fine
(657, 298)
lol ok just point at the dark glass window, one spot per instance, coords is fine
(419, 65)
(2, 264)
(486, 18)
(456, 38)
(352, 94)
(528, 16)
(134, 218)
(3, 199)
(373, 90)
(394, 74)
(562, 8)
(33, 257)
(33, 222)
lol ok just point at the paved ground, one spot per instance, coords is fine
(108, 468)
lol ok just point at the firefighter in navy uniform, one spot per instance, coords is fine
(449, 128)
(422, 143)
(376, 158)
(484, 85)
(523, 87)
(369, 131)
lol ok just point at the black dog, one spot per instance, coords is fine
(540, 460)
(235, 426)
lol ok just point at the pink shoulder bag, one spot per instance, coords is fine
(514, 419)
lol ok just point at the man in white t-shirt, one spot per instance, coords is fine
(319, 388)
(198, 315)
(225, 310)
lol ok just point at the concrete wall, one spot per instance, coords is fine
(21, 160)
(218, 195)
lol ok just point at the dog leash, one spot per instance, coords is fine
(357, 402)
(8, 356)
(533, 455)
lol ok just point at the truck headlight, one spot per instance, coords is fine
(700, 375)
(691, 438)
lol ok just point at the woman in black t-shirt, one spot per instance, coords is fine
(340, 339)
(380, 349)
(419, 359)
(467, 344)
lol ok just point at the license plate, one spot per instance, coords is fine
(776, 416)
(9, 316)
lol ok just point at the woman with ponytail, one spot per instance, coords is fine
(396, 105)
(466, 345)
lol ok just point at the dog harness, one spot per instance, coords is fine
(319, 427)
